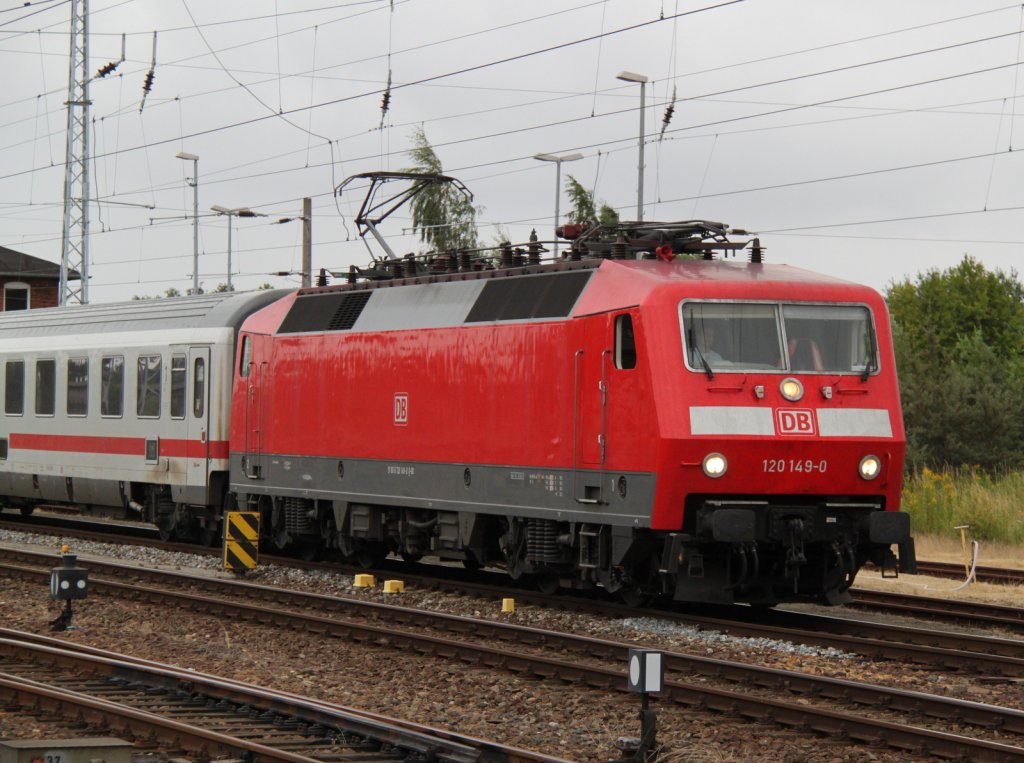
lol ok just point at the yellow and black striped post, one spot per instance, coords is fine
(241, 540)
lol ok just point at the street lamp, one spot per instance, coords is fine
(633, 77)
(238, 212)
(195, 216)
(558, 183)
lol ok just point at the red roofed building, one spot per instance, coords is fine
(28, 282)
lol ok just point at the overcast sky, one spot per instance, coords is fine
(867, 139)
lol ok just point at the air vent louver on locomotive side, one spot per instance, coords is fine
(325, 312)
(545, 296)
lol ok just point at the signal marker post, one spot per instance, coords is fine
(241, 540)
(646, 674)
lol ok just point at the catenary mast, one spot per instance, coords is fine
(75, 237)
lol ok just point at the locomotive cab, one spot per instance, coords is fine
(795, 427)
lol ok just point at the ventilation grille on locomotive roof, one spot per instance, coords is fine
(325, 312)
(545, 296)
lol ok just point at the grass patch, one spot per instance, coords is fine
(991, 504)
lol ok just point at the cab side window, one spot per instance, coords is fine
(625, 342)
(246, 357)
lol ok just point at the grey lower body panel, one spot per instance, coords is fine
(581, 495)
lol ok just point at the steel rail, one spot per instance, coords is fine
(952, 651)
(378, 633)
(413, 739)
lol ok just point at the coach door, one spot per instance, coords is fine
(199, 416)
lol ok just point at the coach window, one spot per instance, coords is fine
(112, 386)
(246, 361)
(199, 388)
(625, 343)
(46, 387)
(14, 388)
(78, 386)
(179, 372)
(147, 386)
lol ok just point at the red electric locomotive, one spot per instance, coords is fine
(706, 429)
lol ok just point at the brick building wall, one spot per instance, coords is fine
(27, 281)
(42, 292)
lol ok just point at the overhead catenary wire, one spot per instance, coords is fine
(478, 137)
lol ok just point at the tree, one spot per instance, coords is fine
(584, 206)
(959, 341)
(441, 213)
(940, 308)
(169, 292)
(582, 200)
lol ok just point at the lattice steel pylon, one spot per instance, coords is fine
(75, 238)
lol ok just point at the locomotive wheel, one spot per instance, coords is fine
(309, 550)
(634, 597)
(370, 556)
(547, 583)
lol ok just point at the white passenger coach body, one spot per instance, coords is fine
(122, 405)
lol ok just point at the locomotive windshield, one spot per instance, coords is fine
(789, 338)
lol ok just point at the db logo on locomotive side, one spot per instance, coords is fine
(401, 409)
(795, 421)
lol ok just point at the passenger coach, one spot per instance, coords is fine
(122, 408)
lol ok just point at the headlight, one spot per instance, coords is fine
(715, 465)
(791, 389)
(869, 467)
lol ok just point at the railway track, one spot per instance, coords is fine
(528, 651)
(187, 710)
(928, 607)
(998, 575)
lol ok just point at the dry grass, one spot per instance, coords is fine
(941, 549)
(934, 548)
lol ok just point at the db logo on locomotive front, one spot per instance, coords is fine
(795, 421)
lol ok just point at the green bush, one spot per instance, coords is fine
(992, 505)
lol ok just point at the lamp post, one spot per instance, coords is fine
(558, 183)
(237, 212)
(195, 216)
(633, 77)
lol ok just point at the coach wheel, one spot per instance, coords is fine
(209, 533)
(410, 557)
(26, 511)
(471, 563)
(164, 519)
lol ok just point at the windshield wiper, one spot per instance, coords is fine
(872, 363)
(700, 356)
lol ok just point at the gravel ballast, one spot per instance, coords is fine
(569, 721)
